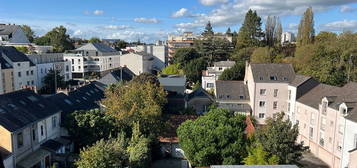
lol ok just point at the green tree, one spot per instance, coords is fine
(23, 49)
(278, 32)
(234, 73)
(214, 139)
(50, 82)
(193, 70)
(306, 31)
(213, 49)
(120, 44)
(250, 34)
(143, 78)
(184, 55)
(208, 32)
(138, 149)
(104, 154)
(94, 40)
(279, 137)
(137, 102)
(262, 55)
(57, 38)
(257, 156)
(172, 69)
(28, 32)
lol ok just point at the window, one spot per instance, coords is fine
(210, 85)
(276, 92)
(54, 122)
(110, 58)
(241, 97)
(79, 61)
(31, 72)
(289, 106)
(110, 65)
(262, 104)
(96, 53)
(41, 130)
(72, 68)
(263, 92)
(260, 78)
(41, 70)
(19, 74)
(339, 146)
(220, 68)
(311, 133)
(324, 107)
(289, 94)
(18, 64)
(72, 61)
(20, 140)
(68, 102)
(323, 124)
(312, 119)
(67, 68)
(27, 73)
(28, 83)
(344, 111)
(275, 105)
(322, 139)
(32, 82)
(273, 78)
(33, 134)
(261, 115)
(79, 67)
(45, 70)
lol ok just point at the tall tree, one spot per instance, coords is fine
(184, 55)
(28, 32)
(193, 69)
(278, 32)
(250, 34)
(270, 28)
(229, 31)
(208, 32)
(279, 137)
(214, 139)
(58, 38)
(257, 156)
(234, 73)
(94, 40)
(138, 149)
(306, 31)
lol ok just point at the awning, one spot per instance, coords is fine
(33, 158)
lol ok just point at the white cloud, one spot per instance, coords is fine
(346, 8)
(147, 20)
(116, 27)
(98, 12)
(180, 13)
(342, 25)
(78, 33)
(212, 2)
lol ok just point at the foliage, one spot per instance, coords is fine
(273, 31)
(242, 54)
(278, 138)
(57, 38)
(120, 44)
(208, 30)
(261, 55)
(172, 69)
(234, 73)
(257, 156)
(214, 139)
(184, 55)
(138, 149)
(49, 80)
(28, 32)
(213, 49)
(23, 49)
(306, 31)
(250, 34)
(104, 154)
(139, 101)
(94, 40)
(146, 77)
(90, 126)
(193, 69)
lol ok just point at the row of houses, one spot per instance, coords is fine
(326, 115)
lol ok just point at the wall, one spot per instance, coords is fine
(42, 71)
(25, 79)
(5, 139)
(134, 62)
(53, 132)
(200, 104)
(349, 135)
(7, 80)
(8, 162)
(208, 79)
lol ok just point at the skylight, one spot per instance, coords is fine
(32, 98)
(68, 101)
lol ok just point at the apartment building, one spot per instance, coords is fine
(179, 41)
(138, 62)
(268, 88)
(18, 70)
(27, 122)
(49, 61)
(92, 58)
(211, 75)
(287, 37)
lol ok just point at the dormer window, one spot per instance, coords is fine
(324, 107)
(260, 78)
(285, 78)
(273, 78)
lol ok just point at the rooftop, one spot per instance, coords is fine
(272, 72)
(96, 47)
(14, 55)
(231, 90)
(299, 79)
(115, 76)
(224, 63)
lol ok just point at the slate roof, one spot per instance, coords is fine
(348, 95)
(272, 72)
(20, 108)
(299, 79)
(8, 29)
(231, 90)
(199, 93)
(14, 55)
(315, 95)
(88, 96)
(172, 80)
(96, 47)
(4, 63)
(236, 107)
(114, 76)
(224, 63)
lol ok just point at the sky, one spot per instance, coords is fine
(150, 20)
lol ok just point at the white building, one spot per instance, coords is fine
(287, 37)
(138, 63)
(93, 59)
(212, 74)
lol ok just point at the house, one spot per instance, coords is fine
(199, 100)
(122, 74)
(92, 60)
(173, 83)
(18, 71)
(211, 75)
(268, 88)
(27, 121)
(12, 35)
(137, 62)
(234, 96)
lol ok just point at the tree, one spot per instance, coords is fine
(94, 40)
(273, 31)
(194, 68)
(234, 73)
(261, 55)
(120, 45)
(28, 32)
(104, 154)
(208, 32)
(89, 126)
(138, 149)
(213, 49)
(137, 102)
(279, 137)
(229, 31)
(23, 49)
(257, 156)
(50, 82)
(184, 55)
(57, 38)
(306, 31)
(172, 69)
(214, 139)
(278, 32)
(143, 78)
(250, 34)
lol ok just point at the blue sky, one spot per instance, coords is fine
(150, 20)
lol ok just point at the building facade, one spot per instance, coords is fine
(287, 37)
(211, 75)
(137, 62)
